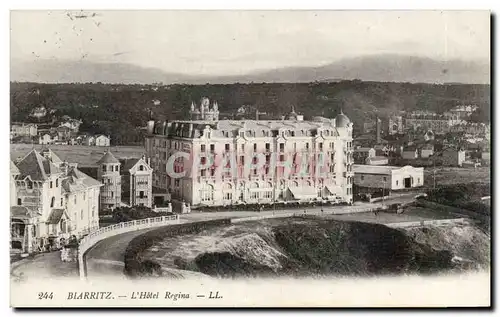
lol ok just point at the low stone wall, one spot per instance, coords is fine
(134, 264)
(372, 200)
(309, 213)
(483, 220)
(423, 223)
(432, 205)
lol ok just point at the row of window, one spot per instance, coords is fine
(115, 168)
(109, 181)
(50, 184)
(227, 147)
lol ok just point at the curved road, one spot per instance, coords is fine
(107, 256)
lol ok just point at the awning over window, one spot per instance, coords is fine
(260, 190)
(334, 189)
(303, 192)
(23, 212)
(19, 212)
(56, 215)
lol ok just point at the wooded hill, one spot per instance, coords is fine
(118, 109)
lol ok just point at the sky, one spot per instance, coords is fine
(238, 42)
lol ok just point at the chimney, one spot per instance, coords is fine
(378, 124)
(149, 161)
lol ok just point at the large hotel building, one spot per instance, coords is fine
(210, 162)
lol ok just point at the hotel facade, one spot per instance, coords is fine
(212, 162)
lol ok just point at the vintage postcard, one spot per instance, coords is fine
(250, 158)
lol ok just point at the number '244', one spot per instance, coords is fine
(45, 295)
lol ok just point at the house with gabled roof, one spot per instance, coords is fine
(137, 182)
(102, 140)
(51, 200)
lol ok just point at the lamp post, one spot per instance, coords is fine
(434, 173)
(383, 194)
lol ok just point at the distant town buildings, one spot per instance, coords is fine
(410, 152)
(439, 124)
(72, 124)
(47, 138)
(394, 125)
(453, 157)
(102, 140)
(476, 129)
(24, 129)
(204, 111)
(426, 150)
(39, 112)
(463, 111)
(362, 153)
(377, 160)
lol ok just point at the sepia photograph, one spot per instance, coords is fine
(286, 158)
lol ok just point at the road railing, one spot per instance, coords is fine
(95, 236)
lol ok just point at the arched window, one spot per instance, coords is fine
(81, 214)
(268, 194)
(63, 225)
(141, 167)
(309, 183)
(207, 193)
(294, 184)
(227, 191)
(52, 202)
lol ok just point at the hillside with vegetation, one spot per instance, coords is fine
(309, 247)
(121, 110)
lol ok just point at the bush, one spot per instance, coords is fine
(124, 214)
(459, 193)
